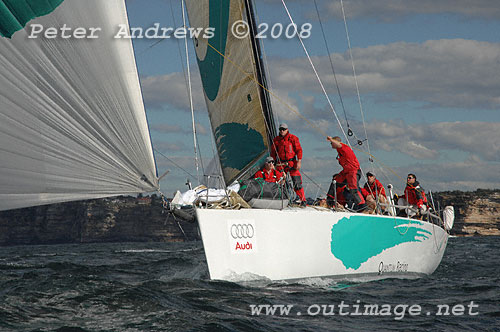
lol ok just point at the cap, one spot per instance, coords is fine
(268, 159)
(370, 174)
(284, 125)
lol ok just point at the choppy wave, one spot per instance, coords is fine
(165, 286)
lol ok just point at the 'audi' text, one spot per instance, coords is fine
(243, 246)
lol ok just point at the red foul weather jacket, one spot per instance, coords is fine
(288, 149)
(347, 159)
(273, 176)
(376, 188)
(415, 195)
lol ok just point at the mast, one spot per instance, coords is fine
(261, 74)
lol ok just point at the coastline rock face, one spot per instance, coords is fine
(142, 219)
(104, 220)
(476, 213)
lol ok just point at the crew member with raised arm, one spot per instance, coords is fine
(350, 174)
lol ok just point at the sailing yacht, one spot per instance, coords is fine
(73, 126)
(288, 242)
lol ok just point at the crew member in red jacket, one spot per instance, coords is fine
(373, 191)
(414, 195)
(268, 172)
(288, 153)
(350, 173)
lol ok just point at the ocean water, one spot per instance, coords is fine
(165, 287)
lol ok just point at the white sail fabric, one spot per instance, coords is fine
(72, 119)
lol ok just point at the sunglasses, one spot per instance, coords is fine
(410, 177)
(282, 129)
(269, 162)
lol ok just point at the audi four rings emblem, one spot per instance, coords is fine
(242, 231)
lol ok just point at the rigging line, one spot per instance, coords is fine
(173, 162)
(154, 44)
(335, 75)
(331, 64)
(178, 44)
(218, 166)
(354, 73)
(201, 157)
(379, 162)
(161, 39)
(188, 86)
(316, 73)
(313, 182)
(190, 97)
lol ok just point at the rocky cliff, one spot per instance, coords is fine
(476, 213)
(143, 219)
(104, 220)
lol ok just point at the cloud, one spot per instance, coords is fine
(426, 147)
(166, 128)
(169, 129)
(284, 106)
(470, 174)
(170, 146)
(452, 73)
(171, 89)
(425, 141)
(392, 10)
(467, 175)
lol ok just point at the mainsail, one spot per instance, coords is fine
(232, 76)
(72, 119)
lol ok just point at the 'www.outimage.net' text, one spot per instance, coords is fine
(398, 311)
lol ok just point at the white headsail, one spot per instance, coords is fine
(72, 119)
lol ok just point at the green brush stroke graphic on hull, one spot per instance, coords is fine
(358, 238)
(211, 66)
(238, 144)
(14, 14)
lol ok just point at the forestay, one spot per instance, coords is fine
(72, 120)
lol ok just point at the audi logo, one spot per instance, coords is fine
(242, 231)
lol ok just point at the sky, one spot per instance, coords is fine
(428, 75)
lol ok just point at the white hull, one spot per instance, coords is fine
(297, 243)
